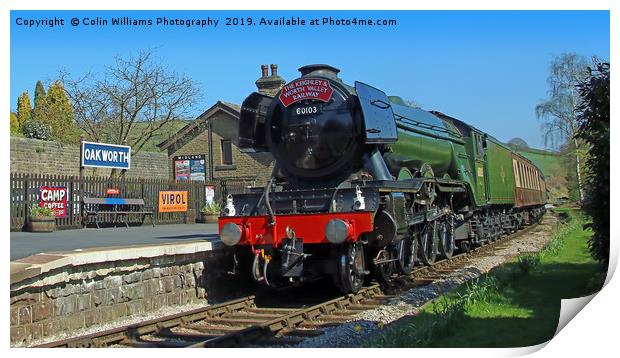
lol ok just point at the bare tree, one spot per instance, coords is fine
(559, 112)
(137, 90)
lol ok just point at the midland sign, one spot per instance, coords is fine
(102, 155)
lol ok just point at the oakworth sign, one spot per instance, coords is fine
(102, 155)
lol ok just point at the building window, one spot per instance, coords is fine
(227, 152)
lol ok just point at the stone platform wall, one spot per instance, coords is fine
(33, 156)
(67, 299)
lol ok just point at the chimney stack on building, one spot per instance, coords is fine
(269, 84)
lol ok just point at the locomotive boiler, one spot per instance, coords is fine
(366, 185)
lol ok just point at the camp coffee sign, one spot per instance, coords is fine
(103, 155)
(55, 198)
(172, 201)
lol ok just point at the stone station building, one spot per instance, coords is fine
(213, 136)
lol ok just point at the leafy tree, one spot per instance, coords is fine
(40, 101)
(23, 108)
(593, 128)
(517, 143)
(56, 111)
(559, 112)
(567, 152)
(14, 123)
(39, 95)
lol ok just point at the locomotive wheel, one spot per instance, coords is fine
(351, 268)
(407, 254)
(464, 246)
(384, 271)
(446, 239)
(428, 243)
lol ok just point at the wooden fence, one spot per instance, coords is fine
(25, 193)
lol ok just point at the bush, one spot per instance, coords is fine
(594, 128)
(37, 130)
(212, 208)
(36, 210)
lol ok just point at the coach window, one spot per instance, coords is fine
(529, 177)
(515, 167)
(227, 152)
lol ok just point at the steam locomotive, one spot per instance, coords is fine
(365, 185)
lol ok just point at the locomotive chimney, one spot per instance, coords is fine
(269, 85)
(320, 69)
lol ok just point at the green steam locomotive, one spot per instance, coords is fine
(367, 185)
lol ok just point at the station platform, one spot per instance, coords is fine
(71, 280)
(25, 244)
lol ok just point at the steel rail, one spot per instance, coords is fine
(119, 334)
(290, 320)
(286, 321)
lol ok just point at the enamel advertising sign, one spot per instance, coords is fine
(102, 155)
(55, 198)
(172, 201)
(306, 88)
(112, 191)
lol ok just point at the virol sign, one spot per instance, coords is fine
(171, 201)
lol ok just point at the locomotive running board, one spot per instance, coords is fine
(412, 185)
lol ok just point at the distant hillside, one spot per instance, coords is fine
(547, 161)
(168, 131)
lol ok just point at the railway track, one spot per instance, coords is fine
(242, 322)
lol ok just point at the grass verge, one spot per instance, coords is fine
(516, 305)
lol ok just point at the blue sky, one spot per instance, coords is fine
(488, 68)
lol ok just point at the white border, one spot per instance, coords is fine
(593, 332)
